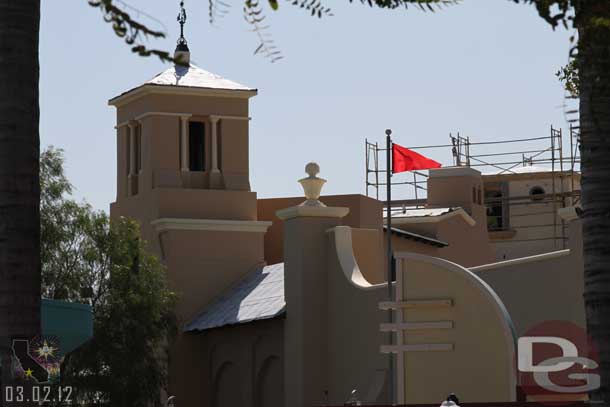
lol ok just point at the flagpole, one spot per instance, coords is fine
(390, 256)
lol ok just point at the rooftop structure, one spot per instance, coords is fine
(526, 181)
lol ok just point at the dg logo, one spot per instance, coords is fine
(557, 361)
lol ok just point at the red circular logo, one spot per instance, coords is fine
(557, 362)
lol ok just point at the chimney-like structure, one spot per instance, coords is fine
(455, 186)
(306, 293)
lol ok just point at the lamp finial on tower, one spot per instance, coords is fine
(182, 53)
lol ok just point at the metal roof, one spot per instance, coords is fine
(420, 212)
(418, 238)
(419, 215)
(182, 78)
(194, 77)
(260, 295)
(528, 169)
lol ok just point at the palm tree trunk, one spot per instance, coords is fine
(19, 184)
(594, 73)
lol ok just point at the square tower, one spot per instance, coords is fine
(186, 129)
(182, 173)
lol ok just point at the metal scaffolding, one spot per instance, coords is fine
(496, 158)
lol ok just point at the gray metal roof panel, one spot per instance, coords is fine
(417, 237)
(260, 295)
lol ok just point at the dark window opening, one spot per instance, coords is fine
(196, 146)
(496, 202)
(537, 193)
(497, 210)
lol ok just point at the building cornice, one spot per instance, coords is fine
(312, 211)
(217, 225)
(227, 117)
(148, 89)
(522, 260)
(173, 114)
(184, 115)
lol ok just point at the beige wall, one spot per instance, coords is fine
(239, 365)
(354, 339)
(468, 245)
(400, 244)
(364, 212)
(183, 203)
(235, 154)
(454, 186)
(307, 303)
(541, 288)
(370, 254)
(203, 264)
(481, 364)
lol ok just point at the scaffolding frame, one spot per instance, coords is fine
(505, 158)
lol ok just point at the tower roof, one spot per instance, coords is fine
(186, 80)
(195, 77)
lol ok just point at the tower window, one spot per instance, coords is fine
(496, 201)
(537, 193)
(495, 215)
(196, 146)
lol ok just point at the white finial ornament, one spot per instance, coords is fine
(312, 185)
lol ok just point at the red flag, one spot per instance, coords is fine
(404, 159)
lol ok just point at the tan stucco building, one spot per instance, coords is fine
(285, 302)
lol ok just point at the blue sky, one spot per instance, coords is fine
(484, 68)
